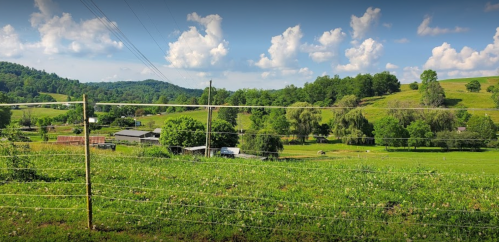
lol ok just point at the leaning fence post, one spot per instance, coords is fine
(87, 162)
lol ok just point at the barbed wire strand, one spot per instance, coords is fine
(289, 202)
(39, 195)
(41, 208)
(297, 215)
(242, 226)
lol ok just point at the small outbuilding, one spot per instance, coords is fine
(150, 141)
(132, 135)
(199, 150)
(320, 139)
(229, 152)
(79, 140)
(157, 132)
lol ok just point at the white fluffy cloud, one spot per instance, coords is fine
(195, 50)
(445, 57)
(391, 66)
(10, 46)
(328, 46)
(491, 7)
(361, 25)
(425, 29)
(283, 50)
(62, 35)
(362, 56)
(411, 74)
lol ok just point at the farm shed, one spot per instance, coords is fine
(320, 139)
(80, 140)
(199, 150)
(229, 151)
(132, 135)
(157, 132)
(150, 141)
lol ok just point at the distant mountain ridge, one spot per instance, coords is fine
(24, 84)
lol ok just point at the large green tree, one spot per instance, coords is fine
(385, 83)
(432, 94)
(183, 131)
(223, 134)
(229, 115)
(419, 134)
(389, 132)
(263, 142)
(277, 121)
(5, 113)
(495, 96)
(483, 125)
(352, 127)
(404, 111)
(302, 118)
(473, 86)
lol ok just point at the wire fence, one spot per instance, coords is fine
(354, 192)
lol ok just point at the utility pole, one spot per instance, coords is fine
(87, 162)
(208, 125)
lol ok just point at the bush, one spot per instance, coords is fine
(19, 167)
(264, 142)
(414, 86)
(153, 151)
(77, 130)
(490, 88)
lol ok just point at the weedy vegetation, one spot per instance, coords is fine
(350, 196)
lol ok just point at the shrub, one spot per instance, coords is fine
(19, 167)
(414, 86)
(153, 151)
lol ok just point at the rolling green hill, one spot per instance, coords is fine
(456, 96)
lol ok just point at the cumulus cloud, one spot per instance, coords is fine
(362, 56)
(411, 74)
(491, 7)
(391, 66)
(458, 73)
(401, 41)
(195, 50)
(10, 46)
(445, 57)
(425, 29)
(283, 50)
(328, 46)
(62, 35)
(361, 25)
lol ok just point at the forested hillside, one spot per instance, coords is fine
(24, 84)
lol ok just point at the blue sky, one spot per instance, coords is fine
(252, 44)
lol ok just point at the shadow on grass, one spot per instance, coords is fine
(370, 101)
(452, 101)
(435, 150)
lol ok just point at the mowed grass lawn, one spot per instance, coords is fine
(57, 97)
(185, 198)
(36, 112)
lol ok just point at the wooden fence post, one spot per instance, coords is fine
(87, 162)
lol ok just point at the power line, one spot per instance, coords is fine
(147, 30)
(122, 37)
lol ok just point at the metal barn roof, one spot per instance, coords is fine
(133, 133)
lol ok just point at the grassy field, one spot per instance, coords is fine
(341, 196)
(36, 112)
(57, 97)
